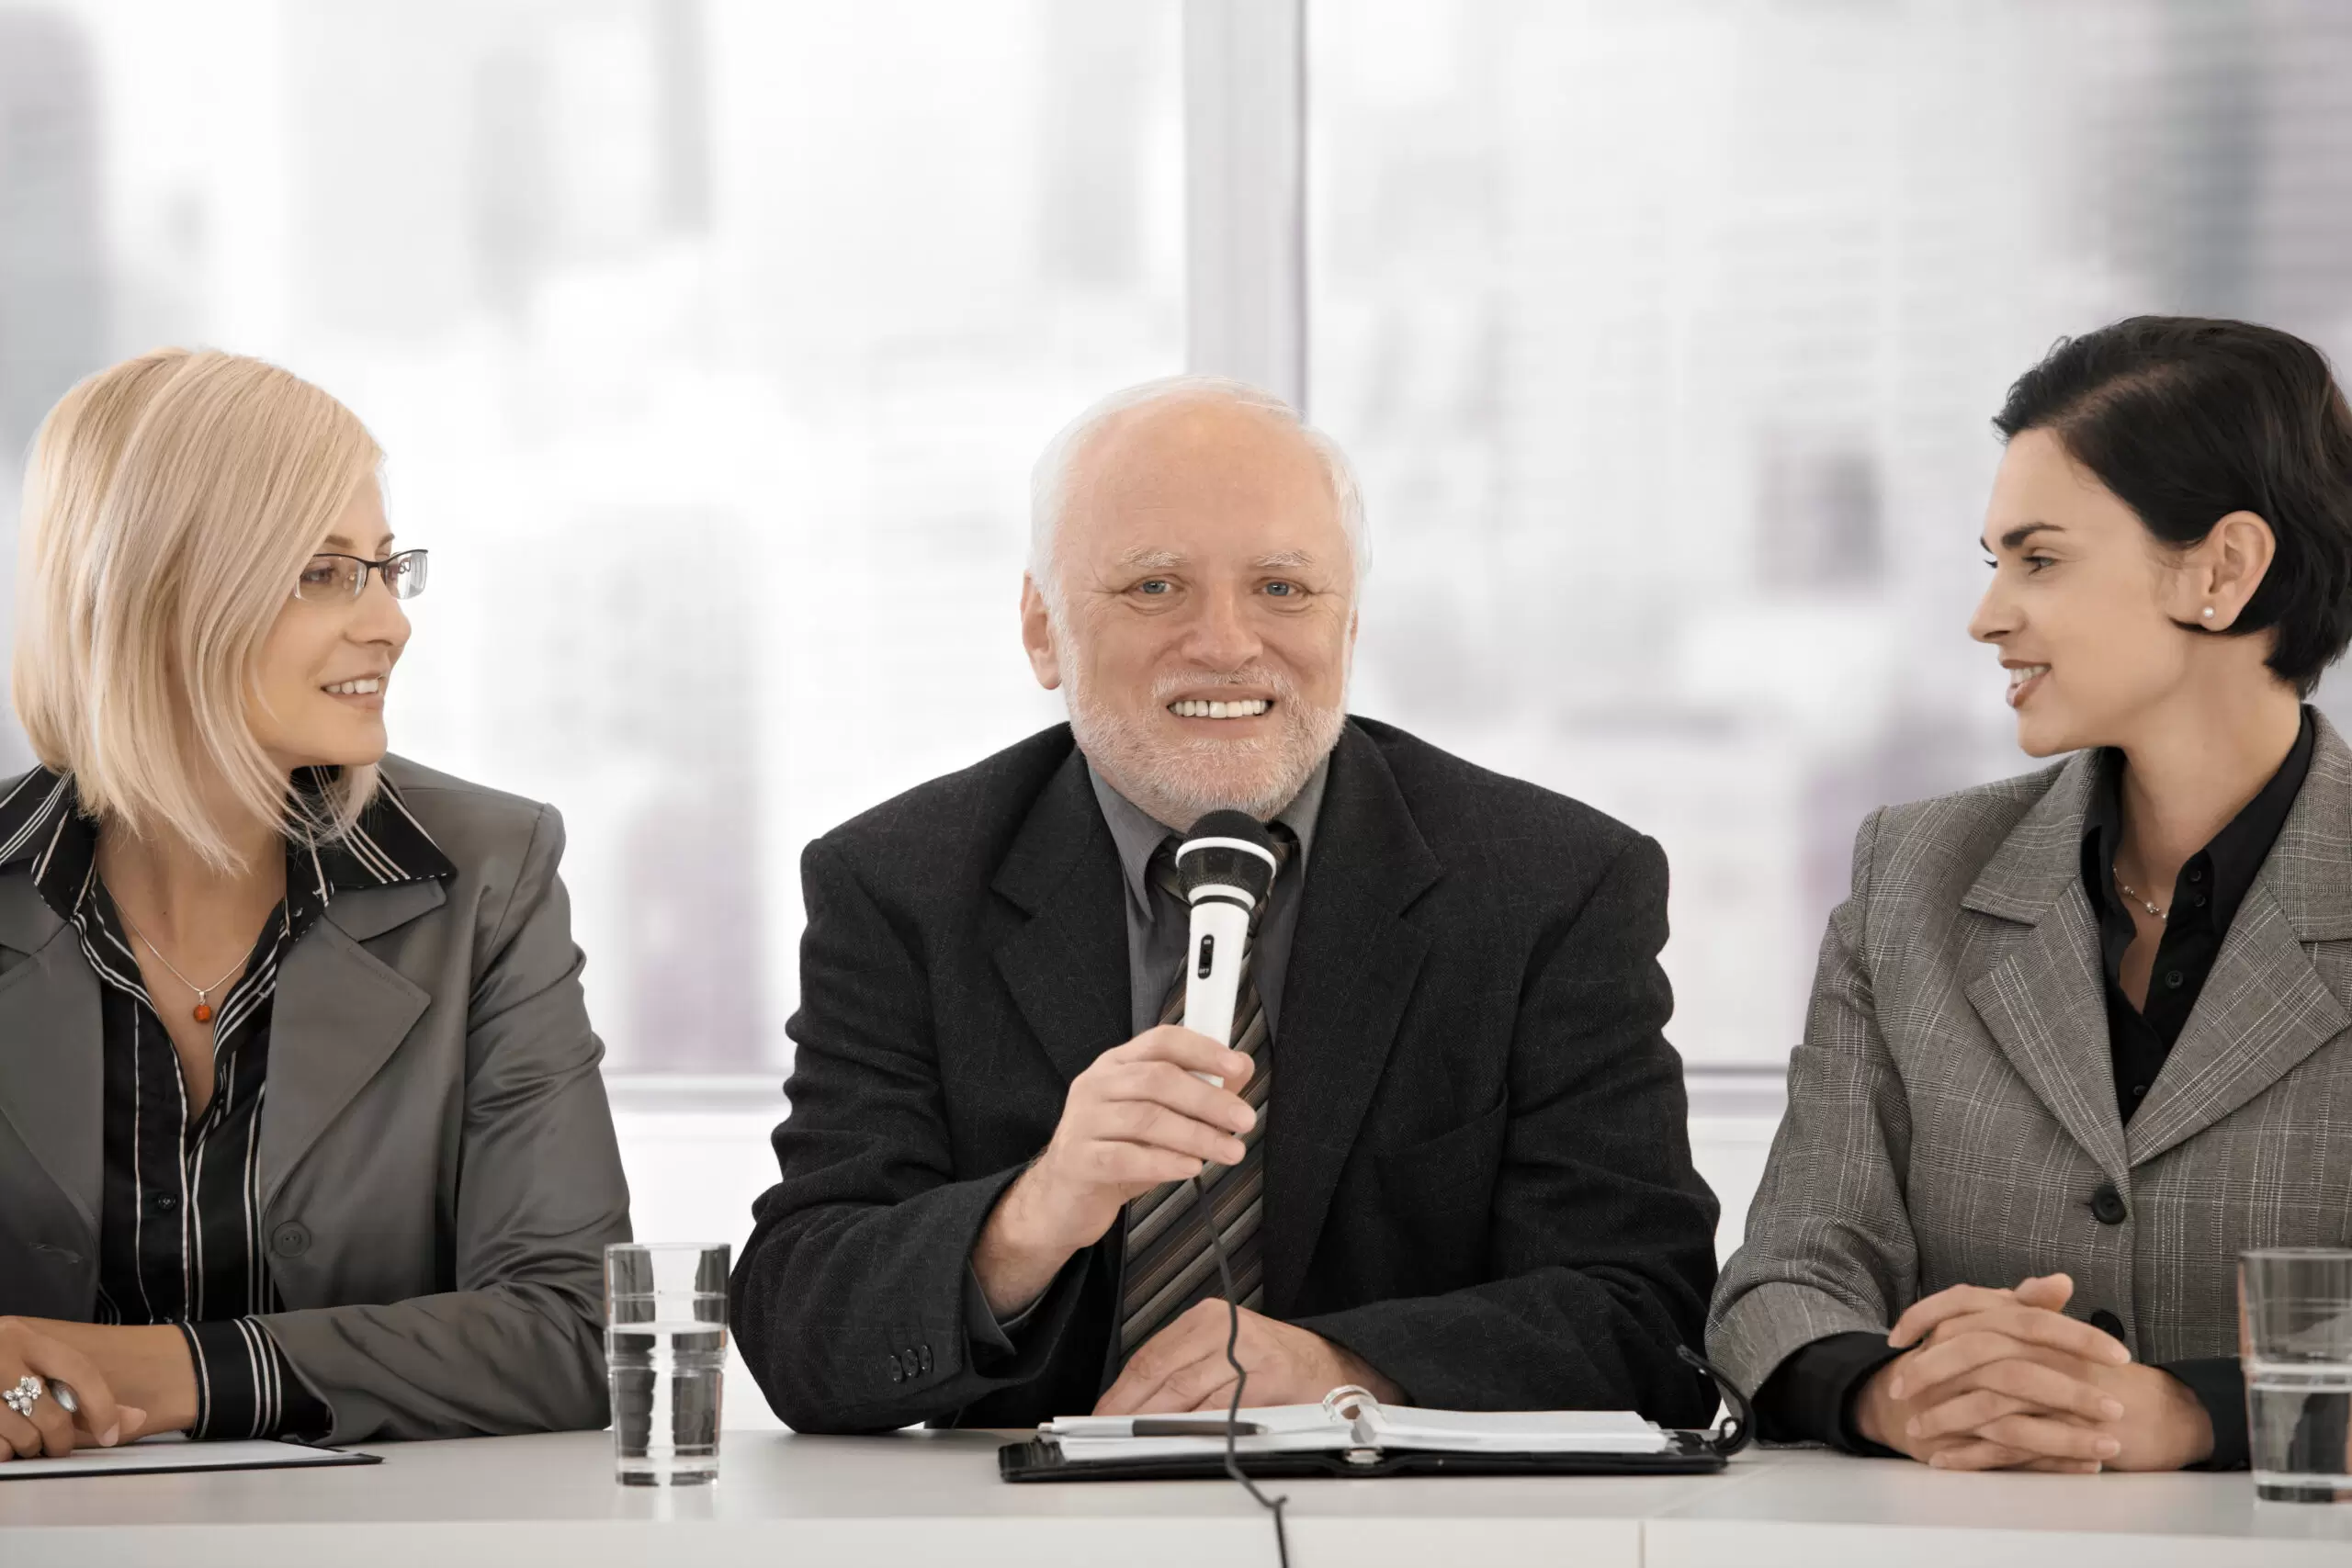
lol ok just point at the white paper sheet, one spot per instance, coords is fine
(173, 1452)
(1310, 1428)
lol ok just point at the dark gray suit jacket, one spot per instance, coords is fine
(1477, 1176)
(438, 1170)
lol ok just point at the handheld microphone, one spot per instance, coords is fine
(1224, 868)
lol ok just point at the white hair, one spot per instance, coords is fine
(1049, 481)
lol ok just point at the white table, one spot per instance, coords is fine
(789, 1502)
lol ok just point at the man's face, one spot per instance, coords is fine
(1207, 609)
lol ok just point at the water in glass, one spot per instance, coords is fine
(665, 1342)
(2295, 1337)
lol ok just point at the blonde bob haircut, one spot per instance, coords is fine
(170, 505)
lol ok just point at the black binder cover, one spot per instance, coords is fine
(1694, 1453)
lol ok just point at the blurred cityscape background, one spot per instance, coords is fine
(711, 341)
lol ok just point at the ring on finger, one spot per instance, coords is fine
(24, 1396)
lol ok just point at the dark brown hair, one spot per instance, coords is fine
(2187, 420)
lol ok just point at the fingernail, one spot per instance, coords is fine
(1936, 1462)
(2108, 1447)
(2112, 1409)
(1895, 1388)
(1911, 1428)
(111, 1435)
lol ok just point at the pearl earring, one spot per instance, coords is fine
(2209, 612)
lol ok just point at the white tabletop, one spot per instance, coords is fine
(788, 1502)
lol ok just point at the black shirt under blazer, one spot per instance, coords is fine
(1478, 1175)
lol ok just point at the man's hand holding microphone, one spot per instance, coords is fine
(1137, 1118)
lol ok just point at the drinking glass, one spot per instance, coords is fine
(665, 1341)
(2295, 1342)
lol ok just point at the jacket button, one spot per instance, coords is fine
(290, 1241)
(2106, 1205)
(926, 1358)
(2107, 1323)
(897, 1373)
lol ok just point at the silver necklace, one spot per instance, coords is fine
(203, 993)
(2134, 894)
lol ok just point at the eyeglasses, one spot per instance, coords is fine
(338, 580)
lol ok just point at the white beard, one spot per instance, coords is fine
(1180, 783)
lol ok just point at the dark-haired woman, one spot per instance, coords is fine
(2080, 1038)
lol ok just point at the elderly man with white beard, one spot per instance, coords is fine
(1446, 1159)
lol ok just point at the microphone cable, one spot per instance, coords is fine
(1241, 1382)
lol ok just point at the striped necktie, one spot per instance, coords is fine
(1169, 1264)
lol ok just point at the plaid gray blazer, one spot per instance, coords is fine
(1953, 1110)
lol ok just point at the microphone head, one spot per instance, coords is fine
(1228, 850)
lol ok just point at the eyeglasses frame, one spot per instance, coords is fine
(366, 568)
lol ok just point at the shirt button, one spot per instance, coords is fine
(165, 1202)
(2138, 1089)
(2174, 980)
(2200, 900)
(2195, 874)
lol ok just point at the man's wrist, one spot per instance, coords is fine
(1018, 1250)
(1355, 1369)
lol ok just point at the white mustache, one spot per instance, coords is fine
(1167, 688)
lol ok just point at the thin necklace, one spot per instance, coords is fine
(2129, 891)
(203, 1006)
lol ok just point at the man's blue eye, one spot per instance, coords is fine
(1152, 585)
(1281, 589)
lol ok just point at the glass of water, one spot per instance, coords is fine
(665, 1342)
(2295, 1341)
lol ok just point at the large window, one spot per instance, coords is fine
(709, 340)
(1667, 333)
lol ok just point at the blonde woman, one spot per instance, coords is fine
(301, 1127)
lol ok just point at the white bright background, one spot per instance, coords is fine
(711, 341)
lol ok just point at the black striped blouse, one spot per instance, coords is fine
(180, 1236)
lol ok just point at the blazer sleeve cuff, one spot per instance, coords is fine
(2219, 1384)
(246, 1388)
(989, 1332)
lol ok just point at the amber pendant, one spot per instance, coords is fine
(203, 1012)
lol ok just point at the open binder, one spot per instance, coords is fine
(1352, 1434)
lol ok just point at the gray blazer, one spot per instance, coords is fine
(438, 1170)
(1951, 1110)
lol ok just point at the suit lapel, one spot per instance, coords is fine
(53, 1076)
(2264, 1008)
(338, 1015)
(1066, 964)
(1352, 967)
(2045, 1002)
(2044, 999)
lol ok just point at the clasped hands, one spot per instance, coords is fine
(2000, 1379)
(1136, 1118)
